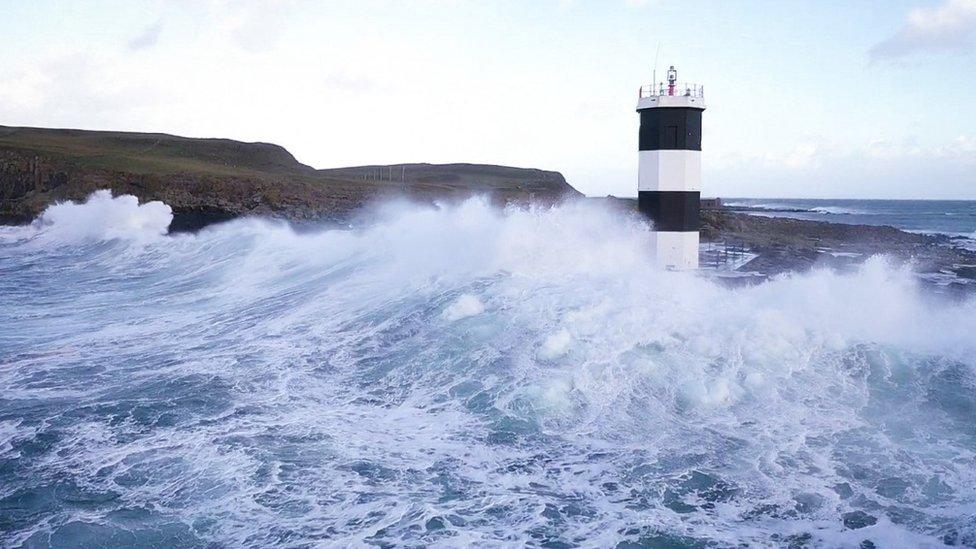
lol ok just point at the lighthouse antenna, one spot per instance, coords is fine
(654, 75)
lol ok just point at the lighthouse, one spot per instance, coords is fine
(669, 169)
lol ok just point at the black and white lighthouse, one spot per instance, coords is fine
(669, 170)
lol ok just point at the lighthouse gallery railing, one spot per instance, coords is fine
(683, 89)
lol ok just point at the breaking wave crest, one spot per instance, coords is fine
(464, 375)
(838, 210)
(103, 216)
(798, 208)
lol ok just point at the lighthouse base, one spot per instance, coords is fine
(675, 250)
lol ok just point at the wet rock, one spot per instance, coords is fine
(968, 272)
(858, 519)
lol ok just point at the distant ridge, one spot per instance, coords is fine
(207, 180)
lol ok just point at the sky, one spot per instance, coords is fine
(820, 99)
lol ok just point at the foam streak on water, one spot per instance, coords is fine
(465, 376)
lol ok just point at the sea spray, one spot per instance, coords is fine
(103, 216)
(465, 306)
(464, 375)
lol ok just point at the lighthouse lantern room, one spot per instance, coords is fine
(669, 169)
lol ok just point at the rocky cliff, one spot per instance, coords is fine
(207, 180)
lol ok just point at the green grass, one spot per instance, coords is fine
(147, 153)
(165, 155)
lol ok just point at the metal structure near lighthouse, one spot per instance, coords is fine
(669, 170)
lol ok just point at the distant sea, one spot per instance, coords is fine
(956, 218)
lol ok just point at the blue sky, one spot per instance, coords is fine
(819, 99)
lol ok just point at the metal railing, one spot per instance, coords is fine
(722, 254)
(685, 89)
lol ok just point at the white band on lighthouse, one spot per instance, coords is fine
(679, 247)
(669, 170)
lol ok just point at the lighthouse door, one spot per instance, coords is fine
(671, 137)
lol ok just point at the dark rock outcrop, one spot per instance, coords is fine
(785, 244)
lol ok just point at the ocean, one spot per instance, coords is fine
(955, 218)
(466, 376)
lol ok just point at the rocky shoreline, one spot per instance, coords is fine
(779, 245)
(784, 244)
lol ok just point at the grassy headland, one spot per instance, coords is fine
(207, 180)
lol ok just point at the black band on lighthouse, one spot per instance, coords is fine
(670, 128)
(671, 210)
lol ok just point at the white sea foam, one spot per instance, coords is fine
(837, 210)
(762, 205)
(465, 306)
(463, 375)
(555, 345)
(795, 207)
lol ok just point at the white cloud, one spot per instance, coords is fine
(147, 38)
(814, 153)
(804, 155)
(255, 26)
(961, 148)
(64, 88)
(564, 4)
(350, 82)
(946, 28)
(819, 169)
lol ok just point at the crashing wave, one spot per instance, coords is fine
(103, 217)
(467, 376)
